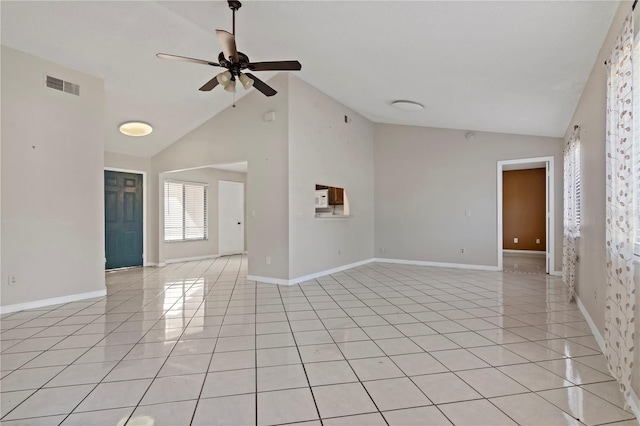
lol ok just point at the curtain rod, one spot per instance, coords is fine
(633, 7)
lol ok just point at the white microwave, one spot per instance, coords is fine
(322, 198)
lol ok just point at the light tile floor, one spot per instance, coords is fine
(196, 343)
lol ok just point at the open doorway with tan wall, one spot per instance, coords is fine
(524, 234)
(525, 219)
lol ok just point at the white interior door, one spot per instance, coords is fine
(230, 217)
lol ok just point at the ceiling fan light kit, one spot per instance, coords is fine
(224, 78)
(230, 86)
(236, 62)
(246, 81)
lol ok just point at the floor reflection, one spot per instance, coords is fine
(524, 263)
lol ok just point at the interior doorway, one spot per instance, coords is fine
(526, 256)
(230, 217)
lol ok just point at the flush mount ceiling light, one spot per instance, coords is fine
(408, 105)
(135, 128)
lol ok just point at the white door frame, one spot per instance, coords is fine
(242, 216)
(549, 208)
(144, 207)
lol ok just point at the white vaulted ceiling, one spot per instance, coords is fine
(504, 66)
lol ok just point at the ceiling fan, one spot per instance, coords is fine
(236, 62)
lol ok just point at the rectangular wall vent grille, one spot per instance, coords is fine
(63, 86)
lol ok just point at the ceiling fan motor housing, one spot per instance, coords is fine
(234, 68)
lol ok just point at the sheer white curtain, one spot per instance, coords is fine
(571, 212)
(620, 296)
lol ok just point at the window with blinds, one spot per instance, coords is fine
(185, 211)
(573, 186)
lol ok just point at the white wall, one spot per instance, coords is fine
(52, 182)
(590, 115)
(323, 149)
(235, 135)
(209, 247)
(127, 162)
(425, 179)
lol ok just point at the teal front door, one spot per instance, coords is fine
(123, 219)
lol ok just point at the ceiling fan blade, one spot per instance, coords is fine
(185, 59)
(275, 66)
(261, 85)
(209, 84)
(228, 43)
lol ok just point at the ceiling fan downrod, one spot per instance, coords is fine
(234, 5)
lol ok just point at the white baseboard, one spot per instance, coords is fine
(293, 281)
(329, 271)
(190, 259)
(155, 265)
(438, 264)
(556, 273)
(267, 280)
(634, 401)
(542, 252)
(124, 268)
(634, 404)
(53, 301)
(592, 325)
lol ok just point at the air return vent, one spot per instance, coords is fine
(63, 86)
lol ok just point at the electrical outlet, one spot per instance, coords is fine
(515, 241)
(537, 240)
(268, 260)
(13, 280)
